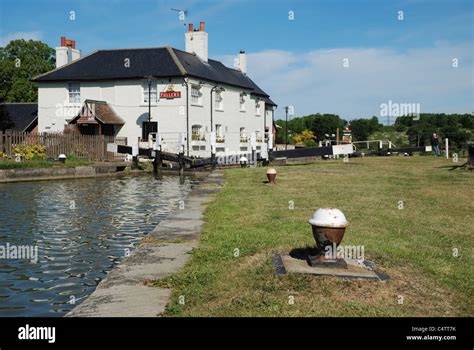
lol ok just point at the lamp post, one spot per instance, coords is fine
(149, 79)
(147, 131)
(286, 129)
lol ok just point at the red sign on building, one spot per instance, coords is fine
(170, 93)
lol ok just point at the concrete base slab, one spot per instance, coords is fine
(286, 264)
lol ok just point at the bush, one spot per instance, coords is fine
(30, 152)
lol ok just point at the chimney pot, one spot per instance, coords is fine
(190, 27)
(196, 42)
(67, 52)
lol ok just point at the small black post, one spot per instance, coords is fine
(286, 129)
(135, 162)
(181, 163)
(213, 160)
(155, 163)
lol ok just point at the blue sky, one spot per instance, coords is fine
(298, 62)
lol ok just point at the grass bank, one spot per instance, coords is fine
(40, 163)
(231, 272)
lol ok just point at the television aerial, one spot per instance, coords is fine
(182, 14)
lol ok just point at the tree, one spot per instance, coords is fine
(456, 127)
(306, 137)
(362, 128)
(319, 124)
(20, 61)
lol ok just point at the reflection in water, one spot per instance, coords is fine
(82, 228)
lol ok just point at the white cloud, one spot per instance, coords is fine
(316, 81)
(5, 39)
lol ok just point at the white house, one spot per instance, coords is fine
(111, 92)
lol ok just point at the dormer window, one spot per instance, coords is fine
(74, 93)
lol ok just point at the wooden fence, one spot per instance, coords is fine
(93, 147)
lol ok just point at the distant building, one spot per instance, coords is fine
(110, 92)
(22, 117)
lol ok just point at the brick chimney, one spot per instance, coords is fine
(67, 52)
(196, 41)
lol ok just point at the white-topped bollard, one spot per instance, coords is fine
(329, 225)
(243, 161)
(271, 175)
(62, 158)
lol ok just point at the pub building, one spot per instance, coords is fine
(133, 92)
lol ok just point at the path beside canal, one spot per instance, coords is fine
(125, 291)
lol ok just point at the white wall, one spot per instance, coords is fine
(125, 97)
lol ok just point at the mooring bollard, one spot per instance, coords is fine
(328, 225)
(243, 161)
(271, 175)
(62, 158)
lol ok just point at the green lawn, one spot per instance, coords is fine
(39, 163)
(414, 245)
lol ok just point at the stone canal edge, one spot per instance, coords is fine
(164, 251)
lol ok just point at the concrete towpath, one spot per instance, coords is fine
(165, 250)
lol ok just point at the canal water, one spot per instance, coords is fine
(81, 230)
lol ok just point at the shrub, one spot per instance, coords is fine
(29, 152)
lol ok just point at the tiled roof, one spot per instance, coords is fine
(162, 62)
(22, 115)
(94, 111)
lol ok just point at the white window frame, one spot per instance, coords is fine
(258, 108)
(243, 135)
(74, 95)
(153, 95)
(242, 102)
(196, 133)
(219, 100)
(218, 130)
(219, 136)
(196, 95)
